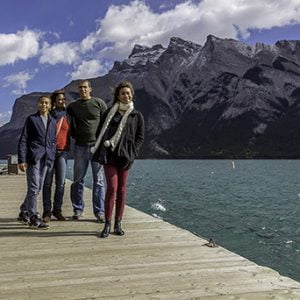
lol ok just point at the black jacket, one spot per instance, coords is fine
(37, 141)
(130, 142)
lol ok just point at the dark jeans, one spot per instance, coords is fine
(116, 180)
(59, 169)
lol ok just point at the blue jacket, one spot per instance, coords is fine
(37, 141)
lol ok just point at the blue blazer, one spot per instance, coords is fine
(37, 141)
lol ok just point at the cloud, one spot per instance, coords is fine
(18, 46)
(55, 34)
(88, 69)
(18, 81)
(123, 26)
(135, 23)
(89, 42)
(66, 53)
(5, 117)
(253, 14)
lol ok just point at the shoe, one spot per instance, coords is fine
(106, 230)
(58, 215)
(23, 217)
(77, 215)
(118, 228)
(47, 216)
(100, 219)
(36, 223)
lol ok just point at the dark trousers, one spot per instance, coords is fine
(59, 169)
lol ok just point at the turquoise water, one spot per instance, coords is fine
(250, 207)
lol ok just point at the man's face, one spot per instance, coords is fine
(44, 105)
(84, 90)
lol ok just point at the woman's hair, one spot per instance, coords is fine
(123, 84)
(53, 96)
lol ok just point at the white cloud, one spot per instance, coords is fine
(88, 69)
(66, 53)
(55, 34)
(135, 23)
(250, 14)
(5, 117)
(18, 46)
(18, 82)
(90, 41)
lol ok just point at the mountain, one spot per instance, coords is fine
(225, 99)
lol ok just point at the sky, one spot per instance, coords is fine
(46, 44)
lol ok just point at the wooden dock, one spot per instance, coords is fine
(154, 260)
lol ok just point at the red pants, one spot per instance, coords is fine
(116, 179)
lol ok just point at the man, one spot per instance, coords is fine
(86, 113)
(36, 153)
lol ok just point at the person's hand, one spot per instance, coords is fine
(22, 167)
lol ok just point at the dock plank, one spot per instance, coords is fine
(154, 260)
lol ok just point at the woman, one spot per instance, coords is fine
(118, 144)
(59, 168)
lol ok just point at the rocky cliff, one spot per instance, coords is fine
(225, 99)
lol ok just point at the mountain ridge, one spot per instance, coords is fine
(225, 99)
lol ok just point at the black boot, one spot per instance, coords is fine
(117, 228)
(58, 215)
(106, 230)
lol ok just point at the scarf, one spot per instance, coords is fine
(113, 141)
